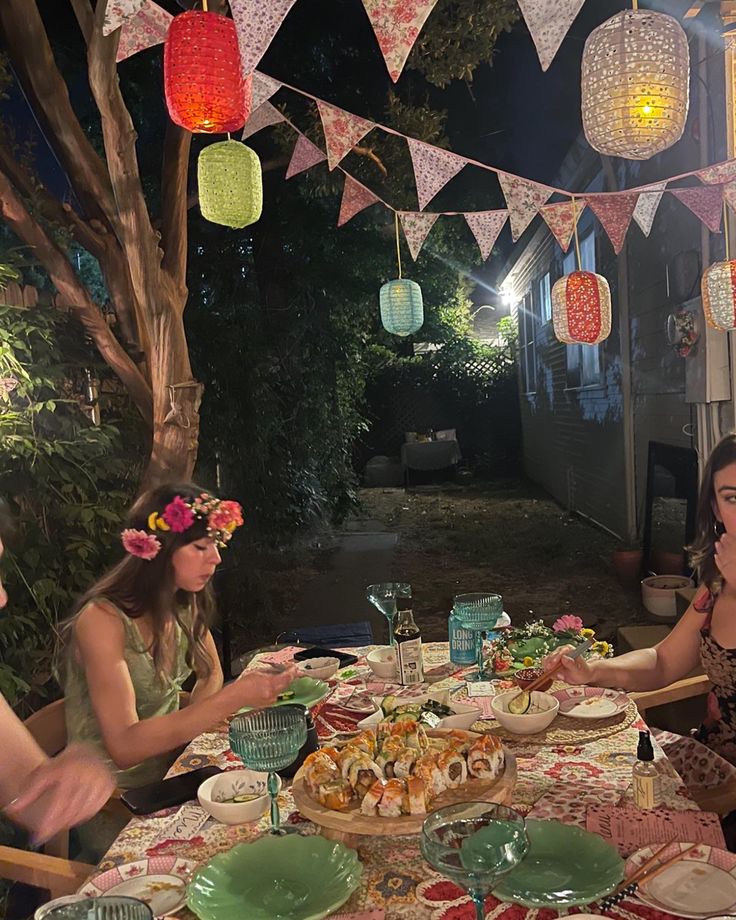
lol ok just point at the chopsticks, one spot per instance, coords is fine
(536, 684)
(647, 871)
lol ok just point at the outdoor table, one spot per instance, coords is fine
(397, 882)
(429, 455)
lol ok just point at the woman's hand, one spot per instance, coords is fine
(725, 557)
(573, 670)
(64, 791)
(260, 688)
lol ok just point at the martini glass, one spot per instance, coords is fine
(268, 740)
(478, 612)
(383, 597)
(474, 844)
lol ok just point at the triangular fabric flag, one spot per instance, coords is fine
(646, 206)
(263, 88)
(397, 24)
(257, 23)
(720, 172)
(615, 213)
(305, 155)
(119, 11)
(486, 225)
(342, 130)
(706, 203)
(548, 22)
(355, 197)
(524, 198)
(433, 169)
(265, 115)
(561, 219)
(729, 194)
(150, 27)
(416, 226)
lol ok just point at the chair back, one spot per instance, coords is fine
(48, 728)
(337, 635)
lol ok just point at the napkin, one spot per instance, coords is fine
(629, 828)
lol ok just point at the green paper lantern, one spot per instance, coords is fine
(230, 184)
(402, 309)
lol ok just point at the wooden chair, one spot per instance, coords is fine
(55, 875)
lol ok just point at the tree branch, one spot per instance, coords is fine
(175, 171)
(75, 295)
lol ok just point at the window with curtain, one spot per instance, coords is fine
(528, 351)
(583, 361)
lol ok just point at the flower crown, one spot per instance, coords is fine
(222, 517)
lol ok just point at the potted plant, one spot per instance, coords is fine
(627, 561)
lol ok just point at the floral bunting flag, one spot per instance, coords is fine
(721, 172)
(265, 115)
(615, 213)
(257, 23)
(646, 206)
(355, 197)
(397, 24)
(561, 219)
(119, 11)
(524, 199)
(548, 22)
(416, 226)
(263, 88)
(150, 27)
(342, 130)
(706, 203)
(433, 169)
(305, 155)
(486, 225)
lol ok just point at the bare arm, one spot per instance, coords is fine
(19, 754)
(100, 640)
(211, 683)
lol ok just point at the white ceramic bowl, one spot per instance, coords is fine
(382, 661)
(658, 593)
(318, 668)
(216, 789)
(543, 710)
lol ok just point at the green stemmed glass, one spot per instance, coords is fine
(479, 612)
(383, 597)
(474, 844)
(268, 740)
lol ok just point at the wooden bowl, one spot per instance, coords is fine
(527, 676)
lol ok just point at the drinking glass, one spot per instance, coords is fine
(268, 740)
(474, 844)
(383, 597)
(478, 612)
(111, 907)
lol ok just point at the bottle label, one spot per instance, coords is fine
(463, 643)
(643, 789)
(410, 668)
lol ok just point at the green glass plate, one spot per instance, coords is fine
(307, 691)
(275, 878)
(565, 867)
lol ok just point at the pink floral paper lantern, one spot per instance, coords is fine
(581, 308)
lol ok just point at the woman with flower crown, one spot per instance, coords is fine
(141, 630)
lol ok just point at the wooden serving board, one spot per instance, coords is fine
(348, 826)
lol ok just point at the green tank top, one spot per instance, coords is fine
(154, 696)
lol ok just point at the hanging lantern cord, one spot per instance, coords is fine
(204, 5)
(398, 247)
(634, 4)
(725, 231)
(575, 232)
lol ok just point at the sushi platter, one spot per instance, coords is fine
(379, 802)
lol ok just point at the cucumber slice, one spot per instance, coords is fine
(520, 704)
(286, 695)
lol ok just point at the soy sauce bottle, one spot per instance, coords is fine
(409, 664)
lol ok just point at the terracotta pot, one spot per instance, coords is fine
(527, 676)
(664, 563)
(627, 565)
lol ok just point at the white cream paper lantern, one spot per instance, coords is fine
(635, 84)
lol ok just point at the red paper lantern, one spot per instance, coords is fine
(581, 308)
(203, 81)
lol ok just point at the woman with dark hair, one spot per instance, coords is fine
(140, 631)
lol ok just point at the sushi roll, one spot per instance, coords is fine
(459, 740)
(372, 798)
(426, 767)
(404, 763)
(348, 756)
(333, 753)
(393, 796)
(365, 741)
(388, 755)
(319, 769)
(412, 734)
(336, 795)
(416, 796)
(362, 775)
(453, 767)
(486, 757)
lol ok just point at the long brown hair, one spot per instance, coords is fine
(139, 586)
(707, 526)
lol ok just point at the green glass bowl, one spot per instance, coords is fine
(275, 878)
(307, 692)
(565, 867)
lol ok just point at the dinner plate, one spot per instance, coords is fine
(591, 702)
(294, 877)
(564, 867)
(702, 884)
(160, 881)
(307, 692)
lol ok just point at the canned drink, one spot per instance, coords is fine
(463, 642)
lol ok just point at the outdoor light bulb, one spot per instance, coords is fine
(646, 109)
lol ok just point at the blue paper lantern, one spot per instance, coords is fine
(402, 308)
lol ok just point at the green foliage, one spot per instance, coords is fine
(67, 482)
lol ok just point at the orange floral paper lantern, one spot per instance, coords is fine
(581, 308)
(203, 82)
(718, 288)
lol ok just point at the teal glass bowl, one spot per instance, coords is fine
(299, 878)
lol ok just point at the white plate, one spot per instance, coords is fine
(160, 881)
(590, 702)
(701, 885)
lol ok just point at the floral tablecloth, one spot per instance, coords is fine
(558, 781)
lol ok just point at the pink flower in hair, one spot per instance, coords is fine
(567, 622)
(178, 515)
(141, 544)
(235, 510)
(227, 516)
